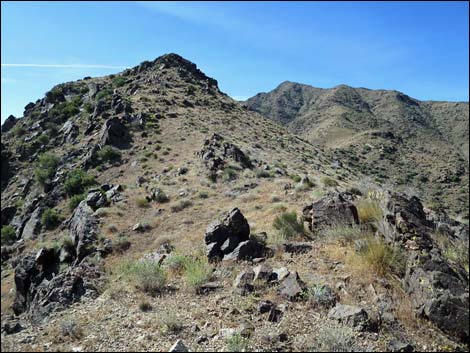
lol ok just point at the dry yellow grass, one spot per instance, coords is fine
(368, 211)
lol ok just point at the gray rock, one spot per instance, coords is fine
(263, 272)
(292, 287)
(179, 347)
(247, 250)
(399, 346)
(350, 315)
(33, 225)
(280, 273)
(243, 284)
(96, 199)
(83, 229)
(297, 247)
(332, 209)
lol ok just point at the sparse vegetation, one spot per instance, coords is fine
(75, 200)
(335, 339)
(288, 226)
(180, 205)
(47, 167)
(109, 154)
(51, 218)
(70, 328)
(169, 323)
(142, 202)
(8, 235)
(345, 234)
(368, 211)
(382, 258)
(147, 275)
(77, 182)
(329, 182)
(237, 343)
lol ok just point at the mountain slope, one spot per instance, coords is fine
(400, 140)
(111, 192)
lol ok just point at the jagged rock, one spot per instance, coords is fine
(280, 273)
(96, 199)
(179, 347)
(296, 247)
(33, 225)
(70, 131)
(140, 227)
(292, 287)
(114, 133)
(91, 158)
(324, 296)
(233, 226)
(243, 284)
(216, 152)
(9, 123)
(276, 313)
(399, 346)
(247, 250)
(332, 209)
(83, 228)
(113, 193)
(350, 315)
(265, 306)
(7, 214)
(10, 328)
(263, 272)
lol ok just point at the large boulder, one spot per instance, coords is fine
(9, 123)
(83, 228)
(114, 133)
(332, 209)
(350, 315)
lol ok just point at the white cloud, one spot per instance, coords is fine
(8, 80)
(240, 98)
(66, 66)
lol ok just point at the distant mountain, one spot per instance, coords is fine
(396, 138)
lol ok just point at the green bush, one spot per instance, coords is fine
(181, 205)
(109, 154)
(345, 234)
(47, 167)
(64, 111)
(142, 202)
(260, 173)
(288, 226)
(229, 173)
(103, 94)
(75, 200)
(43, 139)
(148, 276)
(77, 182)
(237, 343)
(196, 272)
(51, 218)
(8, 235)
(327, 181)
(296, 178)
(119, 81)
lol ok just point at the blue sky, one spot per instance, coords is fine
(421, 49)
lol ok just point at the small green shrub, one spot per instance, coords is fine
(260, 173)
(345, 234)
(296, 178)
(229, 174)
(196, 272)
(237, 343)
(382, 258)
(109, 154)
(181, 205)
(51, 218)
(327, 181)
(77, 182)
(170, 324)
(47, 167)
(103, 94)
(75, 200)
(335, 339)
(288, 226)
(119, 81)
(142, 202)
(43, 139)
(203, 195)
(8, 235)
(148, 276)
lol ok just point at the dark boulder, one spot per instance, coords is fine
(114, 133)
(9, 123)
(332, 209)
(8, 213)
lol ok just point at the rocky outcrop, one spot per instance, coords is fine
(229, 239)
(114, 133)
(216, 153)
(333, 209)
(83, 229)
(9, 123)
(350, 315)
(439, 288)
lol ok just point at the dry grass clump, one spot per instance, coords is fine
(147, 275)
(368, 211)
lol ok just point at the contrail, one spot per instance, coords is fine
(66, 66)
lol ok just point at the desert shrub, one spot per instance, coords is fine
(145, 306)
(77, 182)
(88, 107)
(142, 202)
(64, 111)
(355, 191)
(288, 226)
(103, 94)
(335, 339)
(382, 258)
(51, 218)
(296, 178)
(18, 130)
(8, 235)
(47, 167)
(237, 343)
(455, 251)
(70, 328)
(75, 200)
(43, 139)
(169, 323)
(109, 154)
(148, 276)
(260, 173)
(327, 181)
(229, 173)
(196, 272)
(119, 81)
(181, 205)
(368, 211)
(203, 195)
(121, 245)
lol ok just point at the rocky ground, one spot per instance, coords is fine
(191, 218)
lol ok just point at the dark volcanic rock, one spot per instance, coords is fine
(83, 228)
(114, 133)
(349, 315)
(332, 209)
(9, 123)
(292, 287)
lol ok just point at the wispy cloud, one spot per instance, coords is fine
(66, 66)
(8, 80)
